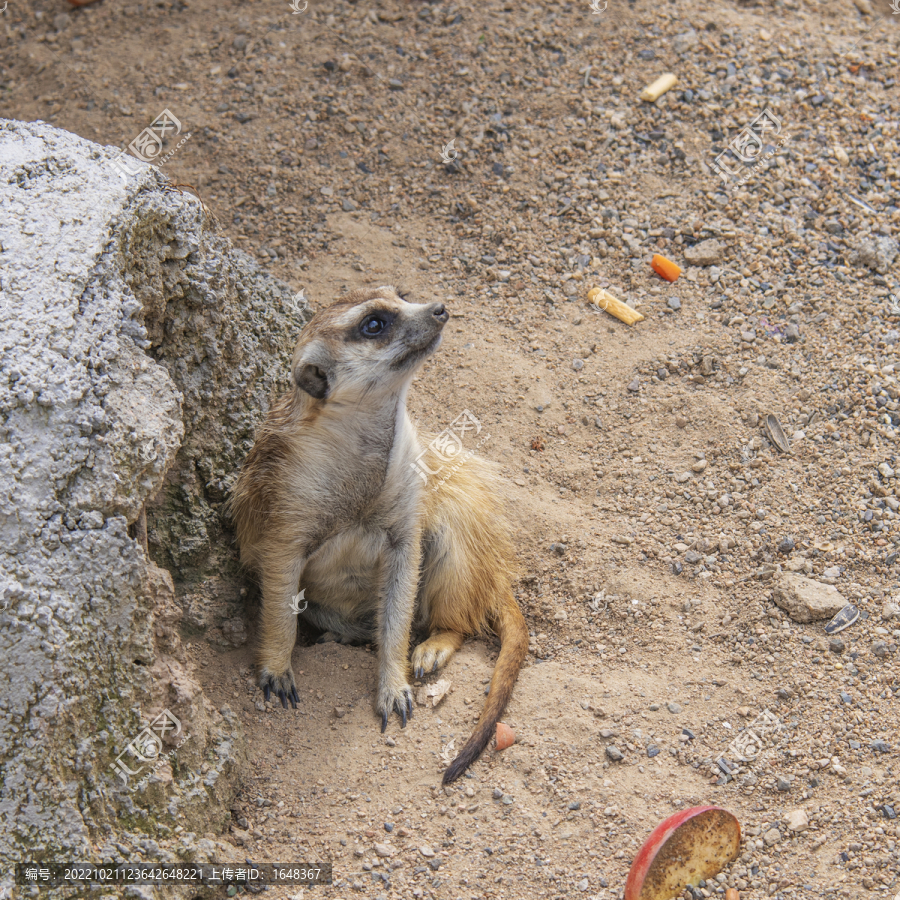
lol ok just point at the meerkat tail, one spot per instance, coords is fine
(510, 626)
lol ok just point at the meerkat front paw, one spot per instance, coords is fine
(282, 686)
(395, 699)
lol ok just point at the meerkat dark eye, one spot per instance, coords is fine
(372, 326)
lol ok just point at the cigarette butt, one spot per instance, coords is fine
(606, 301)
(664, 83)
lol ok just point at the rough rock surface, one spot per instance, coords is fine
(805, 600)
(136, 355)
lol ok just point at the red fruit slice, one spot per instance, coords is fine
(691, 846)
(506, 737)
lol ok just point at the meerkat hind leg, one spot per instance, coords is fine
(435, 652)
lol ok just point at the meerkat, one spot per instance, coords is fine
(335, 500)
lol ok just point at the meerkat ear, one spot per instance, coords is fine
(313, 379)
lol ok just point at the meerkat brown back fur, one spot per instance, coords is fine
(331, 501)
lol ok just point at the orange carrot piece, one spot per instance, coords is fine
(665, 268)
(506, 737)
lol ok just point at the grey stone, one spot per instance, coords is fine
(706, 253)
(836, 645)
(145, 352)
(673, 303)
(614, 753)
(877, 252)
(673, 707)
(805, 600)
(792, 333)
(786, 545)
(782, 784)
(880, 746)
(681, 43)
(880, 649)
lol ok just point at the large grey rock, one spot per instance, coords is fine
(805, 600)
(137, 352)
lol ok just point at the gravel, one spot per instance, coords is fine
(792, 316)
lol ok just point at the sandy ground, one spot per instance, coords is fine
(653, 515)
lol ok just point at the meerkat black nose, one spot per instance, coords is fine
(439, 311)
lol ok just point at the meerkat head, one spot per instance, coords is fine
(370, 340)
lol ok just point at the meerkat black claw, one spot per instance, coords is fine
(419, 672)
(434, 668)
(384, 722)
(267, 692)
(409, 704)
(294, 698)
(282, 696)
